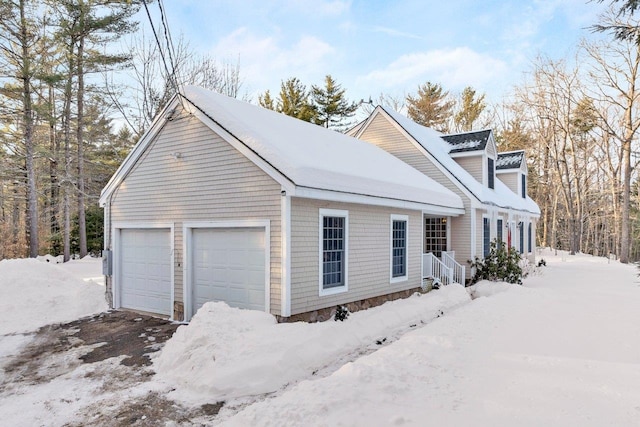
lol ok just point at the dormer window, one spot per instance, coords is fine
(490, 173)
(524, 186)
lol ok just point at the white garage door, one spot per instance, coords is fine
(145, 270)
(229, 265)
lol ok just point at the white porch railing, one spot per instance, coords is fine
(433, 267)
(448, 258)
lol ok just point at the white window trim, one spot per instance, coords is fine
(488, 218)
(404, 278)
(338, 289)
(503, 234)
(187, 273)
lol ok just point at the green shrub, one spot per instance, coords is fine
(502, 264)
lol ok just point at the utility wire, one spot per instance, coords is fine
(170, 76)
(168, 40)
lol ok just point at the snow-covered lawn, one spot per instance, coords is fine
(564, 349)
(35, 293)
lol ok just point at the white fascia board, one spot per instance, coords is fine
(137, 151)
(476, 204)
(475, 153)
(335, 196)
(267, 168)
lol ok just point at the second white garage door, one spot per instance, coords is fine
(229, 265)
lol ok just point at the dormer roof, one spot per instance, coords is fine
(468, 141)
(510, 160)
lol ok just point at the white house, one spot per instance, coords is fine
(491, 185)
(224, 200)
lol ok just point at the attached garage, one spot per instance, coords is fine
(144, 269)
(229, 264)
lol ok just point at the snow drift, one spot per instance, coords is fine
(228, 353)
(35, 293)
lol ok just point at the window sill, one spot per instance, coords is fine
(333, 291)
(399, 279)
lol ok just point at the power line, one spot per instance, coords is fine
(168, 40)
(170, 75)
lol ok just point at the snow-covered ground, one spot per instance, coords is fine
(564, 349)
(35, 293)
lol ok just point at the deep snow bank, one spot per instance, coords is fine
(227, 352)
(35, 293)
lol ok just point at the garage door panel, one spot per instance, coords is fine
(235, 267)
(145, 274)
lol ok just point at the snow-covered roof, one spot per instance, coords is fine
(312, 161)
(433, 142)
(468, 141)
(510, 160)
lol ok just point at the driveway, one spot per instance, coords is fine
(112, 349)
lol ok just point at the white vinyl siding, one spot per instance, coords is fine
(385, 135)
(368, 265)
(510, 179)
(472, 164)
(210, 181)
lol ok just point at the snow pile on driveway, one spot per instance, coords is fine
(229, 353)
(563, 350)
(35, 293)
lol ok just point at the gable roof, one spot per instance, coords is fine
(510, 160)
(311, 161)
(432, 141)
(468, 141)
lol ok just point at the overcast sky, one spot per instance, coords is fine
(383, 46)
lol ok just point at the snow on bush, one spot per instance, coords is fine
(228, 353)
(35, 293)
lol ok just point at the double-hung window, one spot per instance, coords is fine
(334, 237)
(529, 239)
(486, 236)
(521, 236)
(399, 230)
(499, 225)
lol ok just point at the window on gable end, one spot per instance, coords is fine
(524, 186)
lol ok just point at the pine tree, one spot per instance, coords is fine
(470, 109)
(18, 62)
(294, 101)
(431, 107)
(266, 101)
(330, 103)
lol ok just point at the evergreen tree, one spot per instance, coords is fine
(330, 103)
(470, 109)
(431, 107)
(266, 101)
(294, 101)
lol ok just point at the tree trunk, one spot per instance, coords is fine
(82, 229)
(32, 196)
(66, 189)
